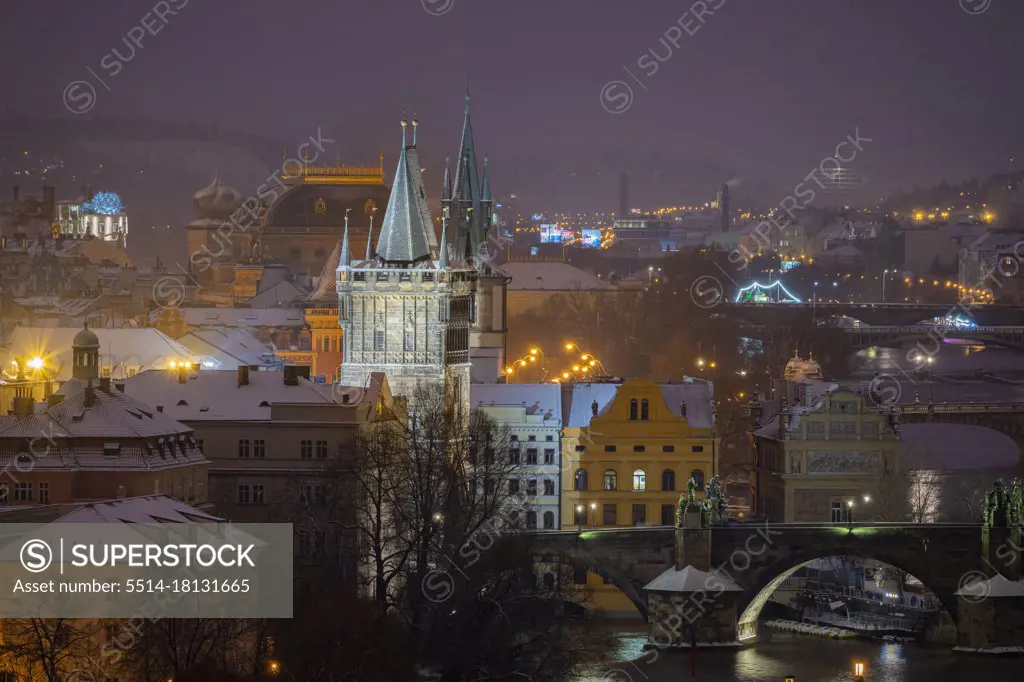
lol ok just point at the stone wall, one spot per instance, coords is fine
(677, 618)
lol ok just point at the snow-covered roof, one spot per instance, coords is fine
(692, 579)
(143, 348)
(220, 349)
(215, 395)
(996, 586)
(551, 276)
(578, 400)
(277, 295)
(242, 317)
(539, 399)
(145, 509)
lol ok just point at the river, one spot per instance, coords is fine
(623, 659)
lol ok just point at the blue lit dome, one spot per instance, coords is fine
(105, 203)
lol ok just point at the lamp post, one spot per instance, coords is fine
(849, 512)
(593, 514)
(885, 275)
(580, 517)
(930, 361)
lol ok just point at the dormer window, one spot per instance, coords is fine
(428, 277)
(359, 277)
(405, 277)
(382, 276)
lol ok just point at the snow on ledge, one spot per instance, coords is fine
(692, 579)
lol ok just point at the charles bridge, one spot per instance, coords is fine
(880, 314)
(709, 583)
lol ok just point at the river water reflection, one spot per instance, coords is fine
(806, 658)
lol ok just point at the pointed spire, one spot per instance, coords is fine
(345, 259)
(369, 236)
(404, 124)
(442, 259)
(485, 192)
(415, 125)
(406, 234)
(446, 190)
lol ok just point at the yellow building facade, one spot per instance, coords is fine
(629, 460)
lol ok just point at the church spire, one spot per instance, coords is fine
(345, 258)
(404, 232)
(485, 193)
(446, 189)
(442, 259)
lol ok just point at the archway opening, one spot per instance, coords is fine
(859, 595)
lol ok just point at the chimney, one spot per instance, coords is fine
(49, 201)
(105, 385)
(243, 375)
(54, 400)
(24, 406)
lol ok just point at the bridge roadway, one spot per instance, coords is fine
(929, 336)
(884, 314)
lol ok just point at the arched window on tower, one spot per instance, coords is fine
(632, 409)
(645, 413)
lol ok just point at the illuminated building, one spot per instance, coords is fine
(99, 215)
(94, 442)
(629, 450)
(829, 443)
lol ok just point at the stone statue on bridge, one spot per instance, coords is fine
(709, 510)
(1004, 504)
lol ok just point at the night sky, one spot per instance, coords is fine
(764, 89)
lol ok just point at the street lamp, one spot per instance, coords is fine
(593, 514)
(580, 517)
(885, 275)
(849, 511)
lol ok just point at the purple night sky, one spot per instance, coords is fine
(763, 89)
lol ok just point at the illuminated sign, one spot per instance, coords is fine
(554, 234)
(761, 293)
(591, 239)
(788, 265)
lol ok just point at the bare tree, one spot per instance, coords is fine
(49, 648)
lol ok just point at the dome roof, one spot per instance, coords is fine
(85, 339)
(324, 206)
(216, 200)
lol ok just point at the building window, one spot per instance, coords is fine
(549, 486)
(645, 413)
(610, 479)
(514, 438)
(609, 516)
(44, 493)
(258, 494)
(243, 447)
(310, 542)
(668, 480)
(609, 448)
(428, 277)
(531, 487)
(306, 448)
(549, 455)
(837, 512)
(639, 480)
(405, 277)
(668, 515)
(514, 456)
(698, 477)
(531, 438)
(259, 448)
(639, 448)
(382, 276)
(531, 455)
(410, 340)
(378, 339)
(696, 448)
(581, 448)
(668, 448)
(244, 494)
(513, 486)
(313, 495)
(815, 427)
(549, 520)
(581, 479)
(321, 449)
(22, 492)
(549, 438)
(639, 514)
(531, 520)
(632, 409)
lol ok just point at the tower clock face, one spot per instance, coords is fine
(369, 207)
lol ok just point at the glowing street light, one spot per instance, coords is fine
(36, 363)
(858, 672)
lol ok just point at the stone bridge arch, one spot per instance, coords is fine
(937, 555)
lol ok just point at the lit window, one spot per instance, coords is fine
(639, 480)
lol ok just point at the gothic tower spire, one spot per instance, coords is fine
(406, 234)
(345, 259)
